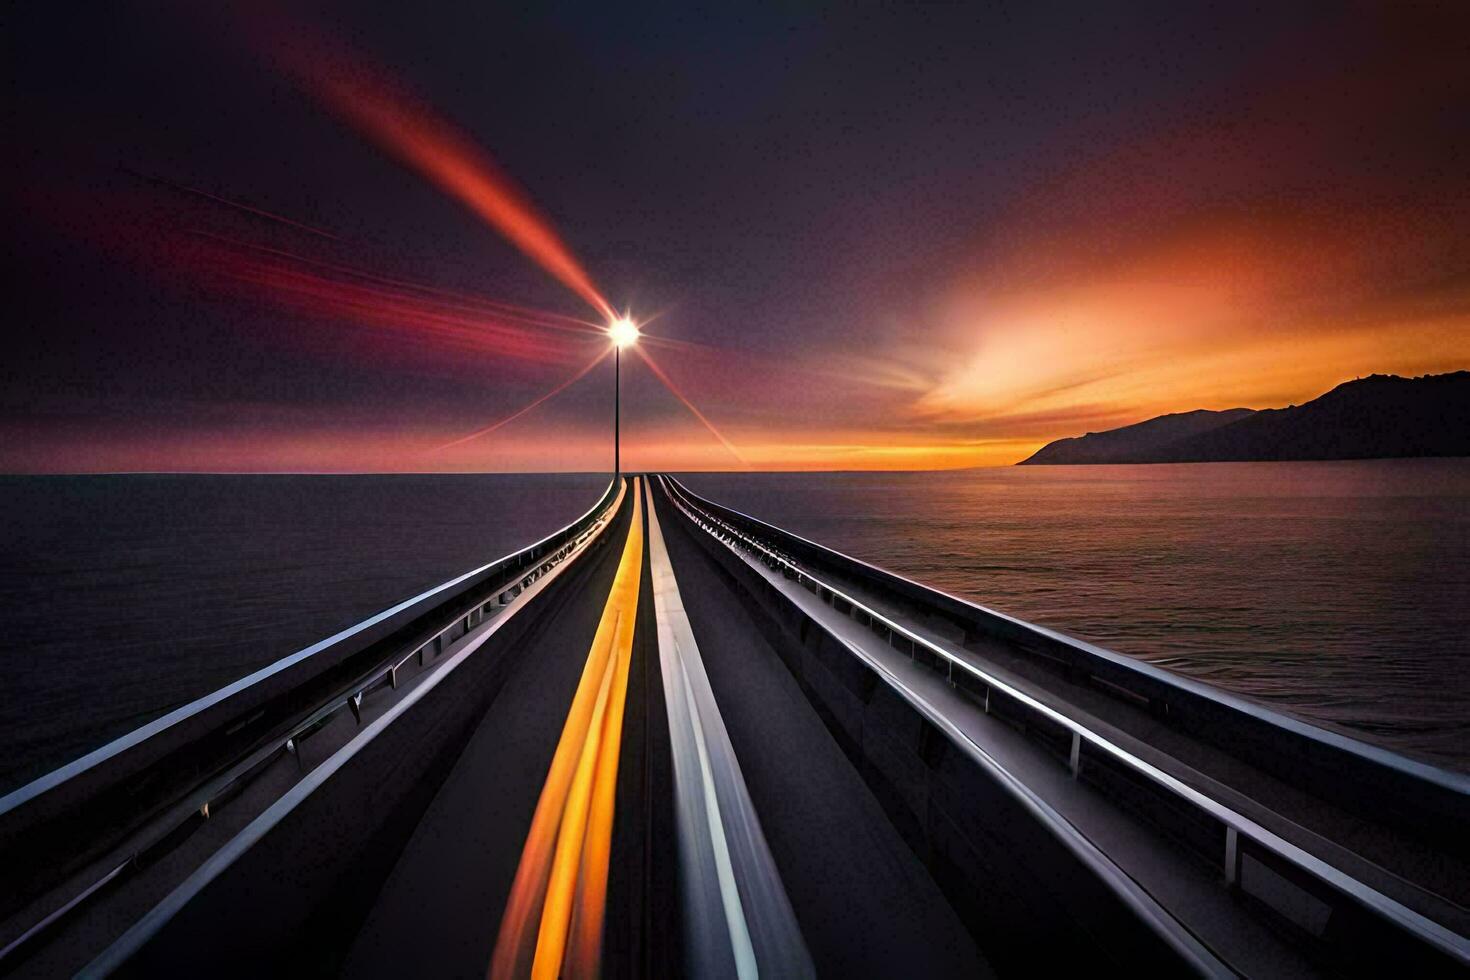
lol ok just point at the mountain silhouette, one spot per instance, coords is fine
(1380, 416)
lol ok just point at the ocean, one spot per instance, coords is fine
(122, 597)
(1337, 591)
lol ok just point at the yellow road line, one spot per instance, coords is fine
(591, 904)
(556, 910)
(553, 919)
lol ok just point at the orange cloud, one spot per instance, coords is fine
(1254, 314)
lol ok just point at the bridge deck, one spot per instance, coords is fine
(1420, 875)
(867, 906)
(821, 791)
(1187, 888)
(439, 908)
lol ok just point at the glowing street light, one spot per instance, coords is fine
(623, 332)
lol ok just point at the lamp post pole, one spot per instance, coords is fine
(617, 412)
(622, 332)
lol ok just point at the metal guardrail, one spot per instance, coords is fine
(1424, 801)
(1083, 861)
(46, 783)
(214, 791)
(1237, 838)
(268, 822)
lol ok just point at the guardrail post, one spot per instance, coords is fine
(1076, 760)
(1232, 856)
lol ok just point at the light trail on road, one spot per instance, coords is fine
(554, 915)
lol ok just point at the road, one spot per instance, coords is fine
(864, 902)
(651, 745)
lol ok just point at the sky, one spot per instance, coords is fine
(366, 237)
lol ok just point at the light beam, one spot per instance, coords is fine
(674, 390)
(522, 411)
(429, 144)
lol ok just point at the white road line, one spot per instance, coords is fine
(1425, 929)
(735, 905)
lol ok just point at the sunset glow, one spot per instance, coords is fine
(840, 290)
(757, 490)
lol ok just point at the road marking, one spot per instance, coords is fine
(53, 779)
(113, 958)
(738, 916)
(554, 917)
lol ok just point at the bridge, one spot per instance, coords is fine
(672, 739)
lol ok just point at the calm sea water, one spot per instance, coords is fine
(122, 597)
(1338, 591)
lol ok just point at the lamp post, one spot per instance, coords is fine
(623, 333)
(617, 412)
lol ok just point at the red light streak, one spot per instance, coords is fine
(674, 390)
(459, 299)
(365, 300)
(436, 149)
(522, 411)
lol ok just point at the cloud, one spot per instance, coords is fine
(1273, 241)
